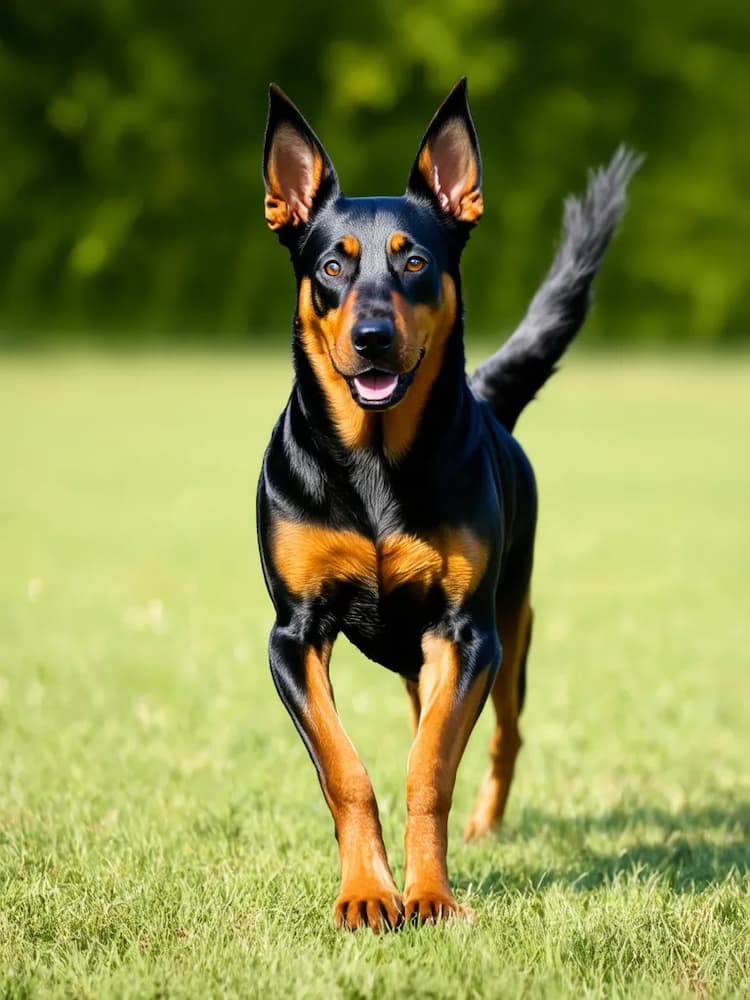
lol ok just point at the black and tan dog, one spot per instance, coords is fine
(394, 505)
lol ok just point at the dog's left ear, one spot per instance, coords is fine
(297, 171)
(448, 166)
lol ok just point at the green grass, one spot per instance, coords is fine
(161, 829)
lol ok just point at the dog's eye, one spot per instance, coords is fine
(415, 264)
(332, 268)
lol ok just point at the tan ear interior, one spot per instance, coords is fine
(448, 164)
(293, 175)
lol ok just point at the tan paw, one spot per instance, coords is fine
(372, 905)
(430, 907)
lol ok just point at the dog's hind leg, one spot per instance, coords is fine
(514, 621)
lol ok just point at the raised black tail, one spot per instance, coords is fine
(513, 375)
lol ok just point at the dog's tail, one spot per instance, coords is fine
(511, 377)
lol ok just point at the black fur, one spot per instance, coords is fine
(511, 377)
(462, 471)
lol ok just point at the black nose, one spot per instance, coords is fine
(372, 337)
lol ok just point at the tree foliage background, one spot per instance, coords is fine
(131, 135)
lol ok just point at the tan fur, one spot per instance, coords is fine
(445, 723)
(310, 556)
(397, 242)
(284, 203)
(453, 145)
(422, 328)
(327, 342)
(368, 894)
(350, 245)
(514, 628)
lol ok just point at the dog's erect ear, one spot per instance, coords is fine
(448, 166)
(296, 169)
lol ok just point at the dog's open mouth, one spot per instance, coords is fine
(375, 386)
(377, 390)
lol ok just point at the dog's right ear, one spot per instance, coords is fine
(297, 171)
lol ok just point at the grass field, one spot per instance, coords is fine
(161, 829)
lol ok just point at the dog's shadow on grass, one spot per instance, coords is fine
(686, 850)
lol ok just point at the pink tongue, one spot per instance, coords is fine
(375, 386)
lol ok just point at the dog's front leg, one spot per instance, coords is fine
(453, 684)
(368, 895)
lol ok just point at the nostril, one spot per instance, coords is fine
(383, 339)
(359, 339)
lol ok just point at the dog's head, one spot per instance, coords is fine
(377, 277)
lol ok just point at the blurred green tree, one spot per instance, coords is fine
(130, 192)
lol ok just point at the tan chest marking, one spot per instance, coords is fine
(310, 556)
(454, 558)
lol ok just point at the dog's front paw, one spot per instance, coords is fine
(368, 904)
(430, 906)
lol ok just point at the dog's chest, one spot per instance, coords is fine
(314, 561)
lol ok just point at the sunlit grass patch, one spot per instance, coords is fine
(161, 828)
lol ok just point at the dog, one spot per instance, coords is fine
(394, 504)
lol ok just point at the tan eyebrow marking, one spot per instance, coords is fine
(397, 242)
(350, 246)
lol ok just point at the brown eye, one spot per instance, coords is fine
(415, 264)
(332, 268)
